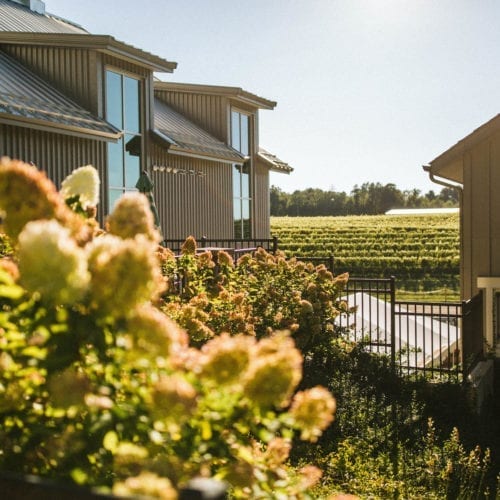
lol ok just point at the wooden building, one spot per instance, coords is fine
(473, 166)
(70, 98)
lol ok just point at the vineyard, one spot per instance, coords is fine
(422, 252)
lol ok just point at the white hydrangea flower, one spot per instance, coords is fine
(84, 182)
(51, 263)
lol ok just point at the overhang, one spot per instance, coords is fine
(183, 137)
(28, 101)
(273, 162)
(235, 93)
(449, 164)
(101, 43)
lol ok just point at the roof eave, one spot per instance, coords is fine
(33, 123)
(236, 93)
(457, 150)
(204, 156)
(273, 166)
(102, 43)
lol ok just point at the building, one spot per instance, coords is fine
(473, 167)
(70, 98)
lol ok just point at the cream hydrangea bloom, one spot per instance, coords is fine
(313, 411)
(51, 263)
(124, 274)
(83, 182)
(225, 359)
(274, 373)
(132, 216)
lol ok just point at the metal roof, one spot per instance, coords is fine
(28, 101)
(183, 136)
(16, 17)
(232, 92)
(273, 162)
(101, 43)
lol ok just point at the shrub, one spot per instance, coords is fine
(99, 387)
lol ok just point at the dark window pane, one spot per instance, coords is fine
(114, 103)
(131, 98)
(132, 164)
(236, 181)
(244, 142)
(245, 209)
(115, 163)
(245, 185)
(235, 130)
(246, 232)
(237, 209)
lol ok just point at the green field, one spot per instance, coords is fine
(421, 251)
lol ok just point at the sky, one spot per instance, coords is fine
(367, 90)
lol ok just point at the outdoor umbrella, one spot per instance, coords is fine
(145, 185)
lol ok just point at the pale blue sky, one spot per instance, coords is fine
(367, 90)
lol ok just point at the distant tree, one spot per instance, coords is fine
(370, 198)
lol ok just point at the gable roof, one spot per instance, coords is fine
(273, 162)
(16, 17)
(184, 137)
(20, 25)
(101, 43)
(28, 101)
(236, 93)
(449, 163)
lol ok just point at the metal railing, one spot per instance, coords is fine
(236, 244)
(419, 337)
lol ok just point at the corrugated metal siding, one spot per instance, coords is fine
(72, 71)
(125, 65)
(261, 202)
(190, 204)
(208, 111)
(55, 154)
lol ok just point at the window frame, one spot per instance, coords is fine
(127, 184)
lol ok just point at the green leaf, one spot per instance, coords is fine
(12, 292)
(110, 441)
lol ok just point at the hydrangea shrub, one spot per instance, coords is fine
(99, 387)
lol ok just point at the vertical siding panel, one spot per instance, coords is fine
(495, 205)
(468, 290)
(55, 154)
(261, 224)
(190, 204)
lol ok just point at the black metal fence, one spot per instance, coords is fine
(420, 337)
(237, 245)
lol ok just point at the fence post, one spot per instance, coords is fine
(275, 244)
(394, 411)
(331, 263)
(203, 241)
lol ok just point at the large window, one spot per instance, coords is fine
(240, 140)
(123, 111)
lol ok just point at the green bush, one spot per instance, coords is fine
(99, 387)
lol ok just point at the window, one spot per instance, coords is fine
(123, 111)
(240, 140)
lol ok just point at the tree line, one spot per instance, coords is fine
(368, 199)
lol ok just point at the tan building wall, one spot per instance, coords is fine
(211, 112)
(55, 154)
(193, 205)
(262, 227)
(480, 213)
(72, 71)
